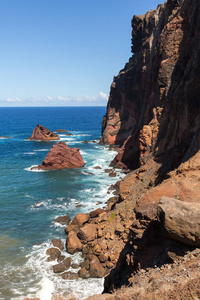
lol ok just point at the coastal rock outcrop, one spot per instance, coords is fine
(41, 133)
(181, 220)
(154, 108)
(153, 113)
(62, 156)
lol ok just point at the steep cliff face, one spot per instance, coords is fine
(153, 113)
(154, 104)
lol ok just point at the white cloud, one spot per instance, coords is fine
(99, 100)
(13, 99)
(104, 96)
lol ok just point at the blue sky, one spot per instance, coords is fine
(60, 52)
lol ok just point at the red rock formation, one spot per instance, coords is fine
(42, 133)
(62, 156)
(153, 108)
(153, 113)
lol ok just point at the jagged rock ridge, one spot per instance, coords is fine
(153, 113)
(42, 133)
(154, 102)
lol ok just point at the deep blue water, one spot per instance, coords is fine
(30, 201)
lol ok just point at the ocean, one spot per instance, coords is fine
(31, 200)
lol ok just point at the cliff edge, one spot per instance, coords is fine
(153, 114)
(153, 108)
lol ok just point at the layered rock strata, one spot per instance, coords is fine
(62, 156)
(42, 133)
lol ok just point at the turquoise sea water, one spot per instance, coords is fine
(24, 267)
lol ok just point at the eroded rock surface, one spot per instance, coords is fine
(153, 108)
(62, 156)
(181, 220)
(42, 133)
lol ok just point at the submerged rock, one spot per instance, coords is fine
(63, 220)
(53, 253)
(62, 156)
(61, 131)
(63, 266)
(58, 243)
(70, 276)
(41, 133)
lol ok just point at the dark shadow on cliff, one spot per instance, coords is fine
(148, 251)
(178, 136)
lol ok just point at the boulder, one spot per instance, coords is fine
(83, 273)
(63, 220)
(70, 276)
(53, 253)
(97, 270)
(62, 156)
(87, 233)
(75, 266)
(80, 219)
(180, 220)
(72, 228)
(73, 244)
(96, 212)
(63, 266)
(85, 264)
(112, 174)
(41, 133)
(58, 243)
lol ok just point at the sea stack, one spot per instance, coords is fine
(43, 134)
(62, 156)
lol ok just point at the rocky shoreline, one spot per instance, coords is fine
(148, 236)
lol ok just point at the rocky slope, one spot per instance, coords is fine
(153, 114)
(148, 236)
(153, 108)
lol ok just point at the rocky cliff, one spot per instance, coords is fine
(148, 236)
(153, 114)
(154, 103)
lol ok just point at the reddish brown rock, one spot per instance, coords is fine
(96, 212)
(97, 270)
(63, 220)
(42, 133)
(62, 156)
(180, 220)
(63, 266)
(75, 228)
(58, 243)
(86, 264)
(112, 174)
(83, 273)
(70, 276)
(53, 253)
(73, 244)
(144, 113)
(80, 219)
(87, 233)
